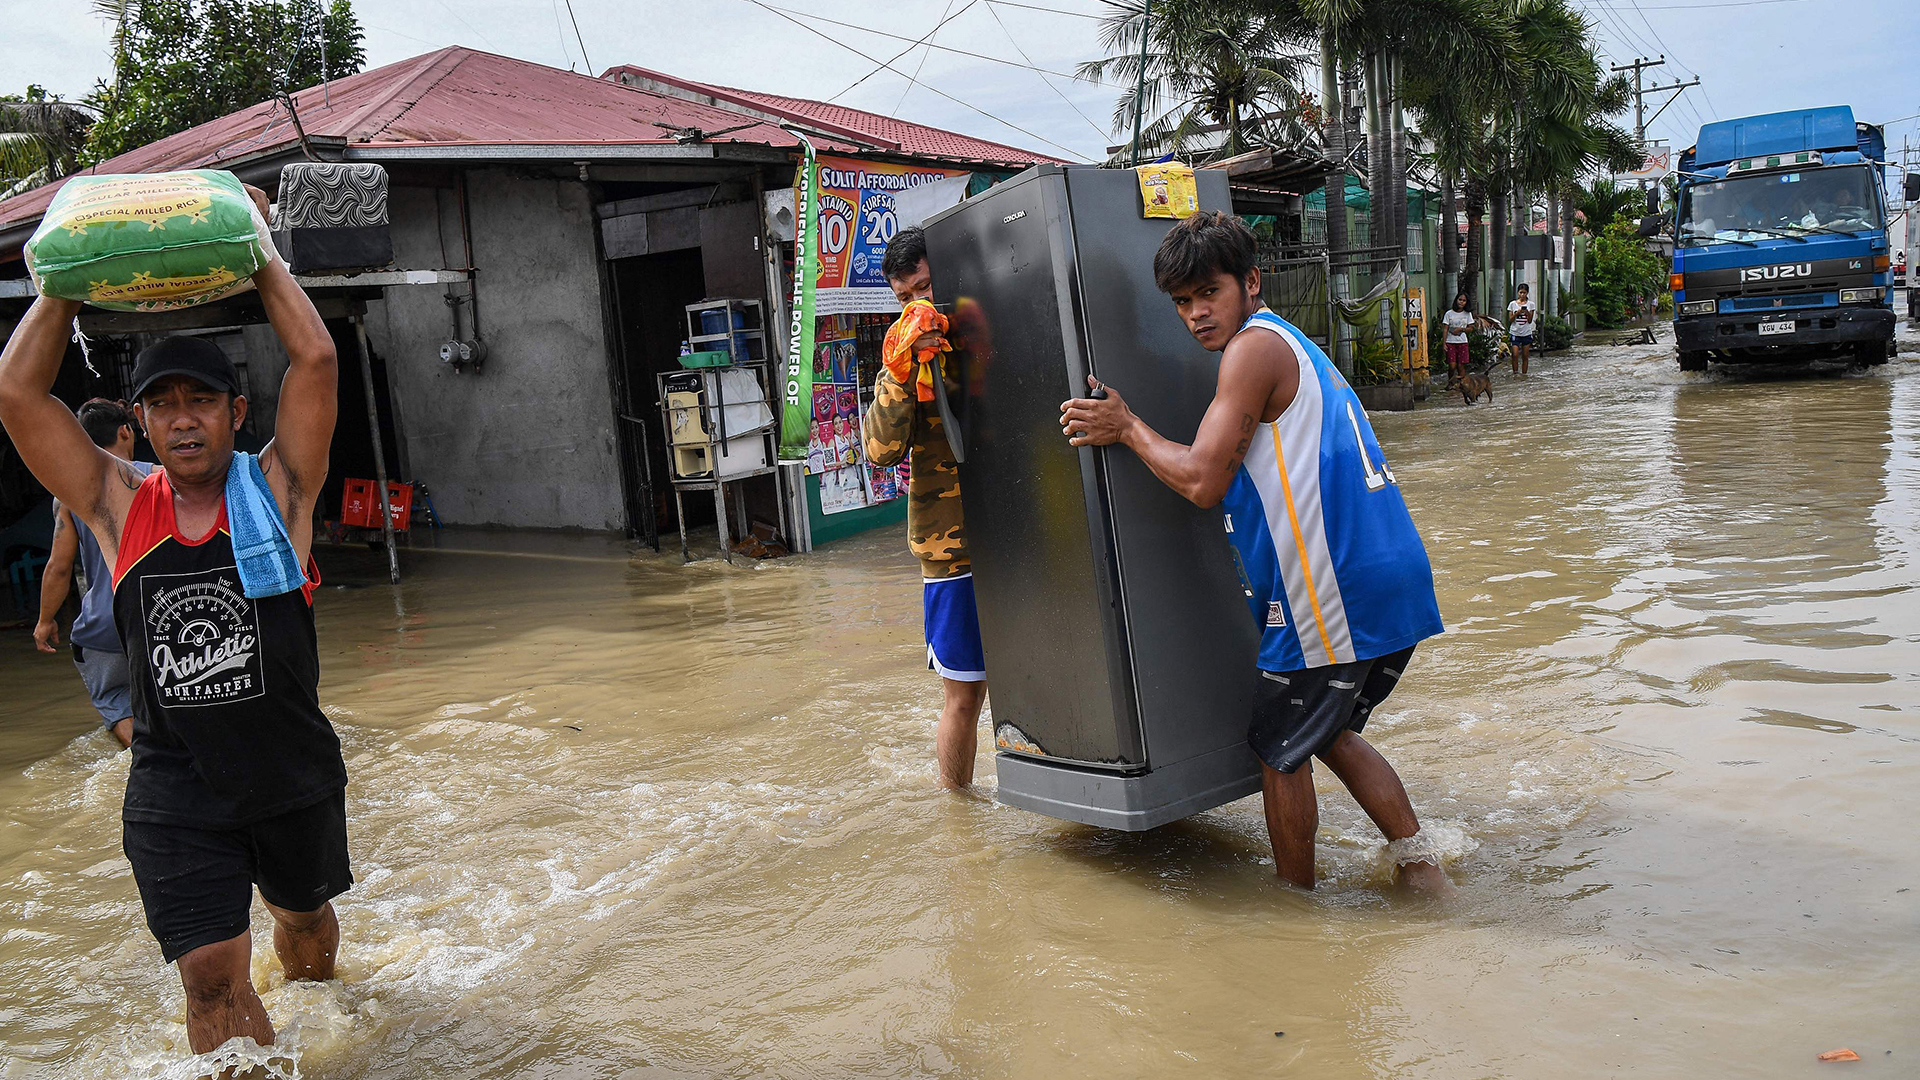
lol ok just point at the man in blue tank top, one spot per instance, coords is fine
(95, 640)
(1336, 575)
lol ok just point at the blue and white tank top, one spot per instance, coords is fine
(1335, 570)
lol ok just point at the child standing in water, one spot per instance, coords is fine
(1458, 320)
(1521, 319)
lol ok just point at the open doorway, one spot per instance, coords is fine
(351, 455)
(651, 294)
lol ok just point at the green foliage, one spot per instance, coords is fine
(1620, 270)
(1578, 305)
(1554, 333)
(1604, 200)
(1207, 62)
(41, 138)
(178, 63)
(1533, 116)
(1375, 362)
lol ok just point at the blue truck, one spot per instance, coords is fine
(1780, 242)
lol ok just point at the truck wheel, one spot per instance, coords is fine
(1693, 360)
(1873, 353)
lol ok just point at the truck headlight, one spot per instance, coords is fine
(1860, 296)
(1699, 307)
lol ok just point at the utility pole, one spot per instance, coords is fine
(1640, 63)
(1669, 101)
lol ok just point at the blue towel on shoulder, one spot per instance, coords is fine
(261, 548)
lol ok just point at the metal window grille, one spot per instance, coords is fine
(1313, 227)
(1416, 249)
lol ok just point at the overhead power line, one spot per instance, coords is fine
(1621, 31)
(1048, 10)
(945, 14)
(1043, 77)
(476, 31)
(560, 32)
(584, 62)
(887, 65)
(916, 42)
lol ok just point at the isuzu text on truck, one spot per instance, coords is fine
(1780, 242)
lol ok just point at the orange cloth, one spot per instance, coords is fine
(911, 367)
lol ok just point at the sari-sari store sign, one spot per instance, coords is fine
(856, 220)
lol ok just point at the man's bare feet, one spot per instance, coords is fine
(1426, 878)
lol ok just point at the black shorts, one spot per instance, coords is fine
(197, 884)
(1297, 714)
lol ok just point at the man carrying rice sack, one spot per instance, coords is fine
(237, 778)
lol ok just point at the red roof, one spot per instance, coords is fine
(884, 132)
(453, 97)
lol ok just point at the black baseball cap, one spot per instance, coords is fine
(194, 357)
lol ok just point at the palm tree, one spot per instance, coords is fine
(1209, 64)
(41, 139)
(1410, 51)
(1537, 133)
(1605, 199)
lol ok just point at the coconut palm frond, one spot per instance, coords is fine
(1225, 64)
(42, 133)
(20, 155)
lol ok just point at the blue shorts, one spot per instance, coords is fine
(953, 629)
(105, 674)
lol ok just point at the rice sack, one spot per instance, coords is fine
(149, 242)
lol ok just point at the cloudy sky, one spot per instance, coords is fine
(1742, 50)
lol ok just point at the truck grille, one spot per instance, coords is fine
(1769, 290)
(1770, 303)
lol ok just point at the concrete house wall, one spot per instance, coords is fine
(529, 440)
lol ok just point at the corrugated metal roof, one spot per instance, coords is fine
(453, 97)
(885, 132)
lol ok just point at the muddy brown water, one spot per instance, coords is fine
(616, 818)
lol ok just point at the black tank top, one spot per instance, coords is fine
(227, 727)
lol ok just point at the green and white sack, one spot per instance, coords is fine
(149, 242)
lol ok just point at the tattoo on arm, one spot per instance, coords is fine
(129, 476)
(1246, 440)
(59, 520)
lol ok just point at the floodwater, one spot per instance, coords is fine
(613, 817)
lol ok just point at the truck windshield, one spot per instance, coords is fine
(1835, 199)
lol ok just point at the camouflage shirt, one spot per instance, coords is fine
(896, 423)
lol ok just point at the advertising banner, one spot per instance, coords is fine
(856, 217)
(796, 381)
(1656, 166)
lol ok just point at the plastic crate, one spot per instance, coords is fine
(357, 505)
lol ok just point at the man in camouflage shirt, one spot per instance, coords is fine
(896, 423)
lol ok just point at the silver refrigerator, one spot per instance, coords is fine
(1119, 645)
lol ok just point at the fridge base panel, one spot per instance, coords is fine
(1129, 803)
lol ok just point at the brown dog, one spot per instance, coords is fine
(1472, 386)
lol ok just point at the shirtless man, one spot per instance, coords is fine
(1340, 583)
(237, 777)
(96, 643)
